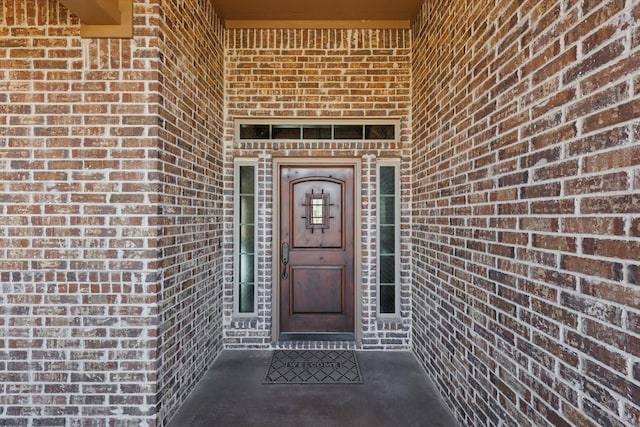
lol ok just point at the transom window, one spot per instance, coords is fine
(367, 131)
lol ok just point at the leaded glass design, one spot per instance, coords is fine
(388, 227)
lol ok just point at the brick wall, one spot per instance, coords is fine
(337, 74)
(77, 263)
(77, 257)
(110, 214)
(526, 209)
(191, 172)
(116, 161)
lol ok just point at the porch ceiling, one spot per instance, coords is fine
(317, 13)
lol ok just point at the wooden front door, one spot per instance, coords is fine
(316, 249)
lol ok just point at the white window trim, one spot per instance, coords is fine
(236, 237)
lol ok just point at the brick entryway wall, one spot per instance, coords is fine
(110, 213)
(526, 224)
(335, 75)
(520, 137)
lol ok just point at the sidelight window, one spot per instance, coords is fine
(245, 237)
(388, 202)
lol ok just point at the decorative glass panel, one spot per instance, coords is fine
(317, 211)
(387, 299)
(387, 185)
(247, 206)
(254, 131)
(295, 130)
(388, 237)
(380, 132)
(246, 268)
(347, 132)
(247, 296)
(247, 180)
(387, 269)
(316, 132)
(245, 245)
(285, 132)
(247, 241)
(387, 210)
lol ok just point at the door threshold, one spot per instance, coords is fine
(317, 336)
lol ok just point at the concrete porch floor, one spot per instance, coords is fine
(395, 392)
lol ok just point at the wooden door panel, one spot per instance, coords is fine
(317, 290)
(304, 234)
(317, 282)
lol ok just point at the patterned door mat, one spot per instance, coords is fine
(313, 367)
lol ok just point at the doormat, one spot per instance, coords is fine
(313, 367)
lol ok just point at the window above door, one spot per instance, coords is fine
(385, 130)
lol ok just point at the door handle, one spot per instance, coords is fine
(284, 258)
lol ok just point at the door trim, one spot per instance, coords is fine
(278, 164)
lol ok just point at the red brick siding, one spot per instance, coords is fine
(190, 169)
(78, 256)
(525, 165)
(332, 74)
(109, 247)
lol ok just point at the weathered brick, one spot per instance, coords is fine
(593, 225)
(592, 267)
(624, 249)
(598, 101)
(555, 349)
(531, 95)
(540, 191)
(612, 116)
(621, 340)
(602, 57)
(598, 184)
(601, 416)
(553, 207)
(613, 381)
(561, 62)
(558, 243)
(593, 20)
(635, 227)
(549, 224)
(613, 72)
(622, 158)
(577, 417)
(611, 205)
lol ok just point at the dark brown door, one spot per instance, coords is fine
(316, 252)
